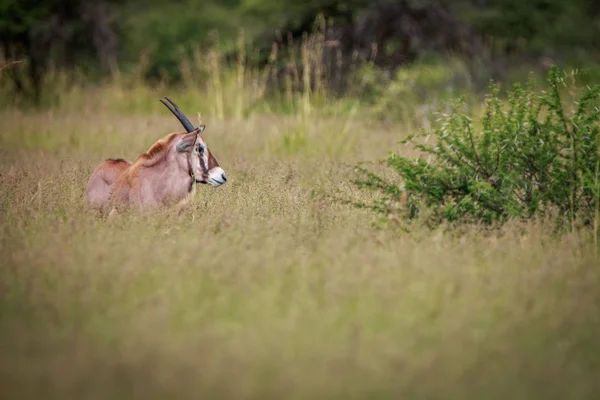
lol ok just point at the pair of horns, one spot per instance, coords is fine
(177, 112)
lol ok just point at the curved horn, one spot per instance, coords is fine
(177, 112)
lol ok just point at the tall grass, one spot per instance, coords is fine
(264, 287)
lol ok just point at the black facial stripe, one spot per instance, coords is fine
(203, 161)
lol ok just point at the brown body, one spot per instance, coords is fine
(161, 177)
(99, 186)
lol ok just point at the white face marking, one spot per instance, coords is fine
(204, 154)
(216, 177)
(195, 164)
(199, 159)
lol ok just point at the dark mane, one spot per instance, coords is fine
(117, 160)
(157, 151)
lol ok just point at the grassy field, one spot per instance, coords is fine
(267, 287)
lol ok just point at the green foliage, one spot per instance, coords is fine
(531, 155)
(167, 34)
(426, 82)
(541, 23)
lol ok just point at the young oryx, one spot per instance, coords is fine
(162, 176)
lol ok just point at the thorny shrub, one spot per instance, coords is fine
(525, 156)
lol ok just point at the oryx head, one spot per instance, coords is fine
(203, 166)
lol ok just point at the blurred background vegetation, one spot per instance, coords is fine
(363, 47)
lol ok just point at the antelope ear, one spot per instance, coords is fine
(187, 143)
(201, 128)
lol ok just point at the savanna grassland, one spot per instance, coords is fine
(269, 286)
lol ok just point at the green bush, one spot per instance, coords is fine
(535, 154)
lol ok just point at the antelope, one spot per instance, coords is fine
(162, 176)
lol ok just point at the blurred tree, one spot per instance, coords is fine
(102, 32)
(389, 32)
(166, 31)
(542, 24)
(60, 31)
(490, 34)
